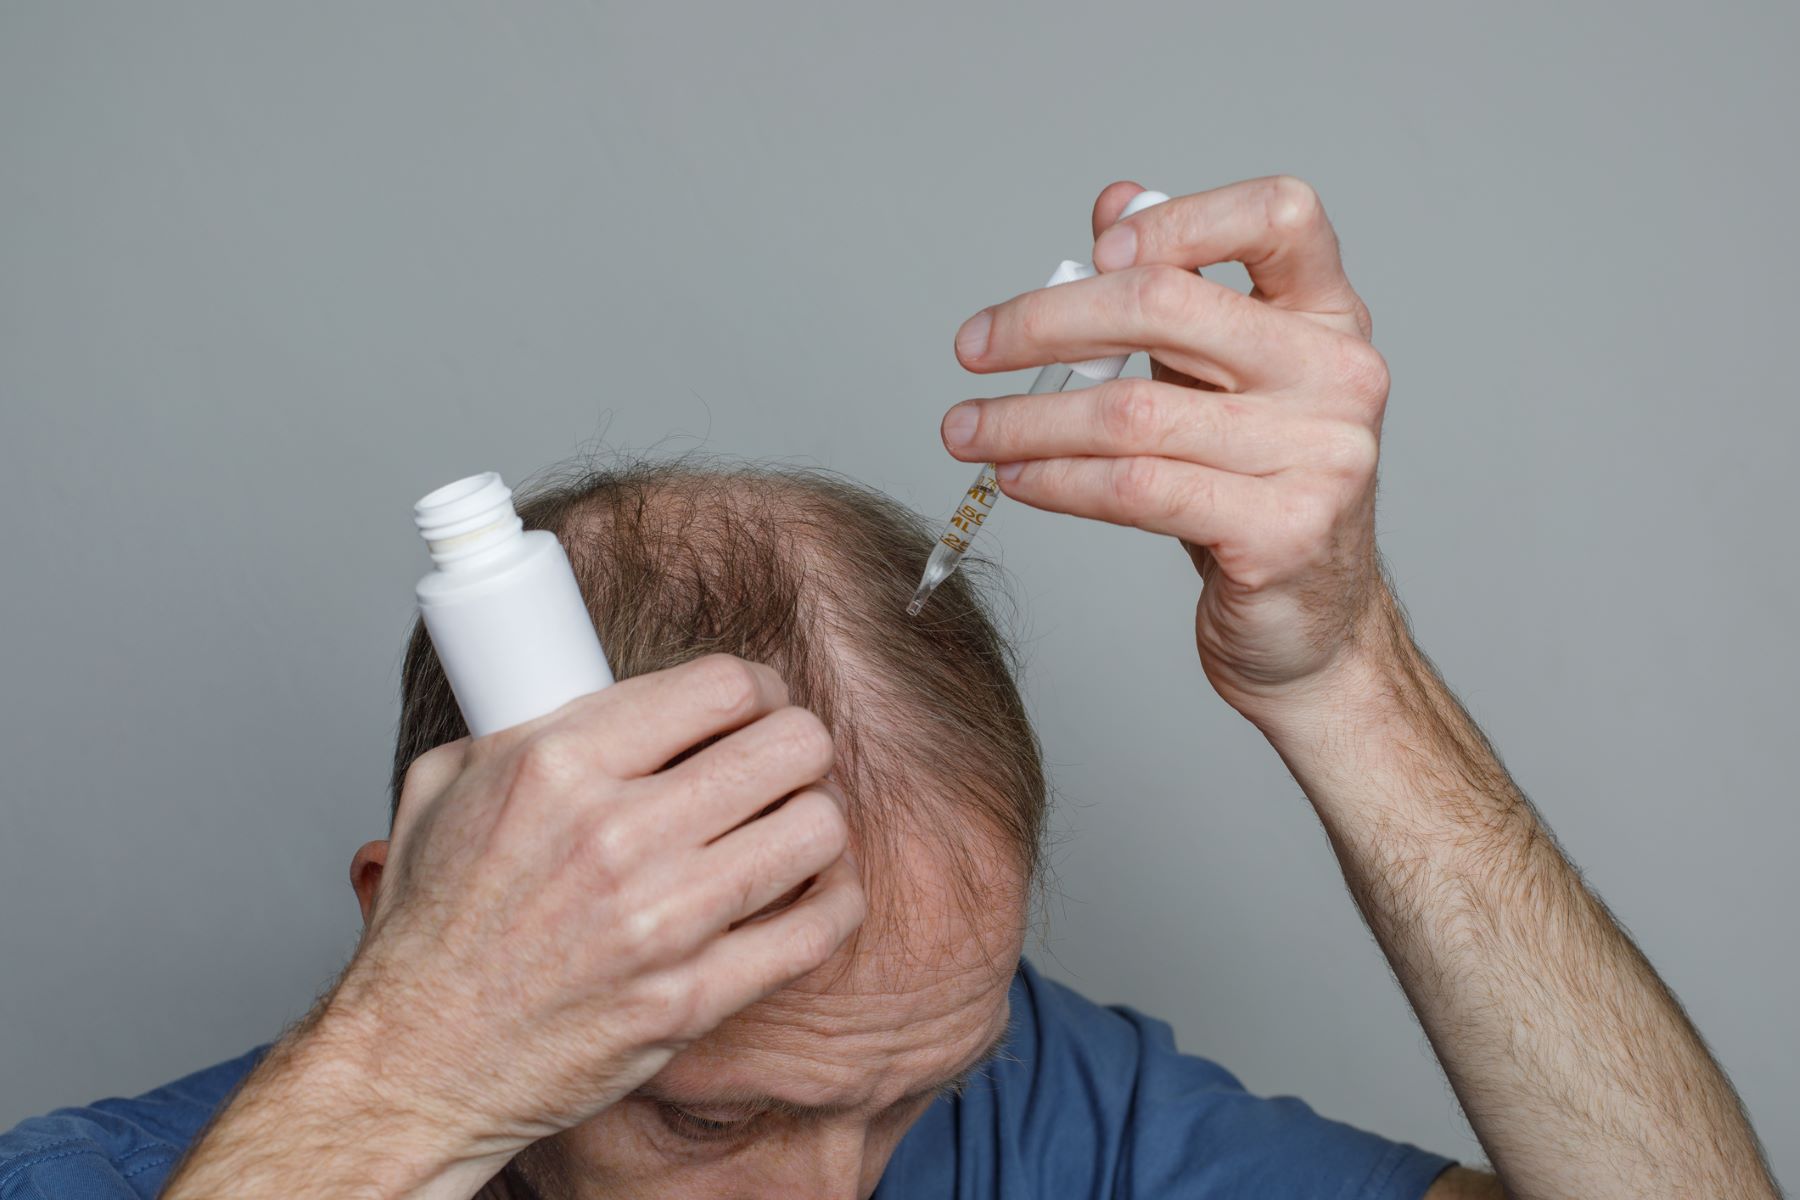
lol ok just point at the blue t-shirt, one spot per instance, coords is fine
(1085, 1101)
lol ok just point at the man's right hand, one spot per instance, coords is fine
(562, 911)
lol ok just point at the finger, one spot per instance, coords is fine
(1199, 327)
(750, 868)
(1199, 504)
(730, 781)
(1276, 227)
(1108, 208)
(426, 778)
(1112, 201)
(636, 727)
(1123, 418)
(763, 956)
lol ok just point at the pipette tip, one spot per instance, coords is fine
(934, 575)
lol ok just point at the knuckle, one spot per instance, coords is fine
(1131, 411)
(1291, 205)
(1031, 318)
(822, 832)
(416, 778)
(430, 769)
(589, 708)
(1163, 294)
(606, 851)
(1361, 370)
(551, 759)
(727, 683)
(1352, 450)
(811, 941)
(673, 1006)
(804, 740)
(641, 932)
(1134, 482)
(595, 867)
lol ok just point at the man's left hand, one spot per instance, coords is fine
(1254, 443)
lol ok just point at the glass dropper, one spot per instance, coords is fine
(974, 505)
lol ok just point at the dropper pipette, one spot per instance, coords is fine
(975, 504)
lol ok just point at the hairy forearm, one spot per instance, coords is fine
(1578, 1069)
(316, 1118)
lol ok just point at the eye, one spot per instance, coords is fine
(696, 1128)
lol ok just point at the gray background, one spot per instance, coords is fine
(269, 272)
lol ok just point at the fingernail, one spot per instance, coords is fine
(1009, 471)
(959, 424)
(1116, 249)
(972, 338)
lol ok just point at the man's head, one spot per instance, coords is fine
(807, 1092)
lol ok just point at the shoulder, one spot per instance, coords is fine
(1101, 1094)
(1120, 1057)
(116, 1147)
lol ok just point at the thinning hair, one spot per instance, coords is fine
(808, 572)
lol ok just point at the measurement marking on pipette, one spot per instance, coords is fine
(969, 517)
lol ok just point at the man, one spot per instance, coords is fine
(750, 924)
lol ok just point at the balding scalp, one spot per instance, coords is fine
(807, 572)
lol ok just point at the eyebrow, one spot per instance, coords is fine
(752, 1102)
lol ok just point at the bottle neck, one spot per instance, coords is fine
(468, 523)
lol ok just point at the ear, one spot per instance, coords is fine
(365, 874)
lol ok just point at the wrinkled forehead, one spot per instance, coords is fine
(917, 995)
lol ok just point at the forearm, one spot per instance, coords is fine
(316, 1119)
(1579, 1071)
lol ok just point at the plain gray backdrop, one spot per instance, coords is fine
(268, 272)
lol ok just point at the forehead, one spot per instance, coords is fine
(901, 1008)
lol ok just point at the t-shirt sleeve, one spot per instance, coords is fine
(70, 1163)
(1172, 1124)
(113, 1149)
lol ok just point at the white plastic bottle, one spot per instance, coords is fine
(505, 614)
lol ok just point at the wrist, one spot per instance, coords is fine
(325, 1113)
(1378, 741)
(1374, 677)
(398, 1069)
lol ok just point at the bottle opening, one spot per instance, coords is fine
(460, 490)
(462, 519)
